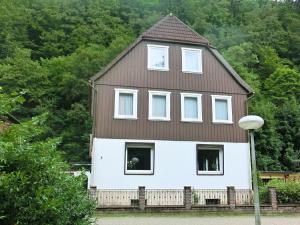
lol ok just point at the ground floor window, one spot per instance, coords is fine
(210, 159)
(139, 158)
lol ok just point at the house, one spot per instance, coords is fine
(166, 114)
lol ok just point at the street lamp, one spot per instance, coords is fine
(252, 123)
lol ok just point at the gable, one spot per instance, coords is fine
(172, 32)
(131, 70)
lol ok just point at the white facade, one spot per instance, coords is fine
(174, 166)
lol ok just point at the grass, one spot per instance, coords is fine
(188, 214)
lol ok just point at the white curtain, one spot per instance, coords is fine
(125, 104)
(158, 57)
(159, 106)
(190, 107)
(221, 109)
(191, 60)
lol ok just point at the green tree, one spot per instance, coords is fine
(34, 185)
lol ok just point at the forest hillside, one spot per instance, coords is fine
(50, 48)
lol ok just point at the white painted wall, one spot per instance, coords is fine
(174, 167)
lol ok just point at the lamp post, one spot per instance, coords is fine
(252, 123)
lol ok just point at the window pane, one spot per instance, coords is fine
(192, 60)
(208, 160)
(221, 109)
(125, 104)
(190, 107)
(159, 106)
(138, 158)
(158, 58)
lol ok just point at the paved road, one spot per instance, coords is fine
(226, 220)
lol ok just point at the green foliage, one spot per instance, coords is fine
(263, 194)
(49, 49)
(34, 188)
(287, 192)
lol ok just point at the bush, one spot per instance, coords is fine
(287, 192)
(263, 195)
(34, 187)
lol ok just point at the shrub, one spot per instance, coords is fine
(263, 195)
(34, 187)
(287, 192)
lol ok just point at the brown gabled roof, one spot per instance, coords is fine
(171, 29)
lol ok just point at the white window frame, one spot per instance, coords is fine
(166, 50)
(168, 105)
(229, 108)
(184, 67)
(199, 106)
(119, 91)
(221, 158)
(140, 172)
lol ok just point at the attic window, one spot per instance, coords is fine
(158, 57)
(191, 60)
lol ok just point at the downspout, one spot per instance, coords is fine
(93, 112)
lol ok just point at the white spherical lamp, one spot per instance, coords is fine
(251, 122)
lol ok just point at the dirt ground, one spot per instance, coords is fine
(205, 220)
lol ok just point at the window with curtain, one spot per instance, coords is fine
(125, 104)
(159, 106)
(158, 58)
(210, 160)
(191, 107)
(191, 60)
(221, 108)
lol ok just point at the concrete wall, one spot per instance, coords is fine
(174, 167)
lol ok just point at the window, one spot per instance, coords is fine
(191, 109)
(139, 158)
(158, 57)
(125, 104)
(191, 60)
(159, 105)
(221, 109)
(210, 159)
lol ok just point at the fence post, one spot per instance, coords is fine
(187, 197)
(142, 200)
(231, 199)
(93, 193)
(273, 197)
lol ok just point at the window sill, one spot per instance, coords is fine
(158, 69)
(208, 173)
(159, 119)
(191, 121)
(139, 172)
(125, 118)
(223, 122)
(192, 72)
